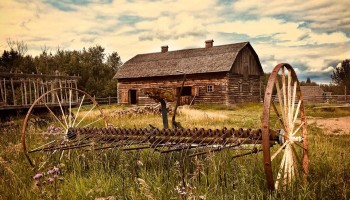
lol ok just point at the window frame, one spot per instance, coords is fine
(210, 88)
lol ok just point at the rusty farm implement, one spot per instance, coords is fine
(282, 139)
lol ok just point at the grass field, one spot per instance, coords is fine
(149, 175)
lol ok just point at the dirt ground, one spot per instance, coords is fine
(335, 126)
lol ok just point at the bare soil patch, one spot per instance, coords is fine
(333, 126)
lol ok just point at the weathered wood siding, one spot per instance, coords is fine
(243, 89)
(198, 82)
(246, 63)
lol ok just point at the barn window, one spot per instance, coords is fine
(186, 91)
(210, 88)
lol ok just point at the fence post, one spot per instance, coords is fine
(345, 95)
(109, 100)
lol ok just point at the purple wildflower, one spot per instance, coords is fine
(50, 180)
(55, 176)
(37, 176)
(50, 172)
(55, 169)
(61, 179)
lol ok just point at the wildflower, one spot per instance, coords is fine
(61, 179)
(50, 172)
(55, 169)
(50, 180)
(37, 176)
(44, 182)
(37, 183)
(55, 176)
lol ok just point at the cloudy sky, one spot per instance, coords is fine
(313, 35)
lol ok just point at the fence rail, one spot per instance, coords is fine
(106, 100)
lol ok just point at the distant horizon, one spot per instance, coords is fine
(312, 36)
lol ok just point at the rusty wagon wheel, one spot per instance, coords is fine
(287, 162)
(67, 107)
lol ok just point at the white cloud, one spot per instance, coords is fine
(310, 33)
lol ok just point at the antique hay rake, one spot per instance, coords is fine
(282, 138)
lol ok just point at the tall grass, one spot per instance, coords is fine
(146, 174)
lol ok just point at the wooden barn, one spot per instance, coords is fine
(224, 74)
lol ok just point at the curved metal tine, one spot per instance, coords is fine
(76, 116)
(199, 145)
(211, 149)
(281, 169)
(52, 113)
(86, 115)
(280, 101)
(181, 141)
(63, 115)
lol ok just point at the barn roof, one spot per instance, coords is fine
(190, 61)
(311, 91)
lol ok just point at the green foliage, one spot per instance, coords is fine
(341, 75)
(92, 64)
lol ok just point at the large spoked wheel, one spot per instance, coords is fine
(45, 138)
(285, 121)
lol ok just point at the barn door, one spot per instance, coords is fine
(132, 97)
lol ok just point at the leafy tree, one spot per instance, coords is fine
(341, 75)
(308, 80)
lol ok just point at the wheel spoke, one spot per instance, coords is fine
(52, 113)
(298, 128)
(76, 116)
(284, 97)
(63, 115)
(292, 109)
(86, 115)
(289, 121)
(278, 115)
(38, 148)
(279, 150)
(279, 175)
(280, 100)
(99, 119)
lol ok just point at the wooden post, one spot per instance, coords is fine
(22, 92)
(76, 92)
(13, 93)
(2, 92)
(109, 100)
(345, 95)
(35, 92)
(60, 83)
(25, 92)
(30, 92)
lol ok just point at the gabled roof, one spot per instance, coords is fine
(311, 91)
(190, 61)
